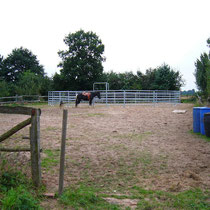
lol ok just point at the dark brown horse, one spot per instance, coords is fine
(86, 96)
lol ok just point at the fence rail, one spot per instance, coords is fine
(119, 97)
(23, 99)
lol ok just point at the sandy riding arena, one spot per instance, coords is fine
(114, 148)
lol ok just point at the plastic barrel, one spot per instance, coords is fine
(203, 110)
(207, 124)
(196, 119)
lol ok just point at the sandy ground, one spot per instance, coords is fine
(116, 147)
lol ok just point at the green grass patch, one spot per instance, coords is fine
(16, 192)
(51, 159)
(84, 197)
(190, 199)
(132, 136)
(95, 114)
(51, 128)
(200, 135)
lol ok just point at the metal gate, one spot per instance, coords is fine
(121, 97)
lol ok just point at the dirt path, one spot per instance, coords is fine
(114, 148)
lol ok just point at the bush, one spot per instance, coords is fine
(16, 192)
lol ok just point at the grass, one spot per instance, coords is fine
(95, 114)
(51, 159)
(16, 192)
(132, 136)
(83, 197)
(200, 136)
(190, 199)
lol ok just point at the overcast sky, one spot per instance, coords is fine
(137, 34)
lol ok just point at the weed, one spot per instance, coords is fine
(95, 114)
(51, 159)
(19, 198)
(85, 198)
(190, 199)
(201, 136)
(16, 192)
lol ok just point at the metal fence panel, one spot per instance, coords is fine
(119, 97)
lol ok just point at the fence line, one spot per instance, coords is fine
(120, 97)
(34, 120)
(23, 99)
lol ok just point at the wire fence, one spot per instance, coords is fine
(23, 99)
(119, 97)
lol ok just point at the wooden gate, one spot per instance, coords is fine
(34, 120)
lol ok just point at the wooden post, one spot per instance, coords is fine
(35, 147)
(62, 155)
(15, 129)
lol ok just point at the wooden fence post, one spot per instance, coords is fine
(35, 147)
(62, 155)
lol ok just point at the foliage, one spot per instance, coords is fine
(4, 89)
(188, 92)
(21, 73)
(1, 67)
(208, 79)
(84, 198)
(190, 199)
(18, 62)
(15, 193)
(29, 84)
(122, 81)
(81, 64)
(51, 159)
(162, 78)
(201, 72)
(19, 198)
(204, 137)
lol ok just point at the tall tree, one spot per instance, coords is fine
(161, 78)
(19, 61)
(201, 72)
(208, 72)
(1, 68)
(167, 79)
(81, 63)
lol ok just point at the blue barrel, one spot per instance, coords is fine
(203, 110)
(196, 119)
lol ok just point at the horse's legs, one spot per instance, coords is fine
(77, 102)
(90, 101)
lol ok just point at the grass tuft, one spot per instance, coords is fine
(16, 192)
(85, 198)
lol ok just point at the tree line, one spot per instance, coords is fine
(80, 66)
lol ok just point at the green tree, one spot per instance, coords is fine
(201, 72)
(113, 79)
(167, 79)
(81, 63)
(161, 78)
(130, 81)
(1, 68)
(18, 62)
(208, 72)
(147, 79)
(29, 84)
(122, 81)
(46, 85)
(4, 89)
